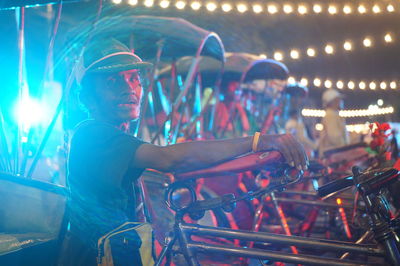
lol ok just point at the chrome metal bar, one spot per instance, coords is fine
(268, 255)
(282, 239)
(315, 203)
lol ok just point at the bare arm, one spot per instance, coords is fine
(201, 154)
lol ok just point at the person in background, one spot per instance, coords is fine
(333, 134)
(295, 126)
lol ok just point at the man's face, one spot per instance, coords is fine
(118, 96)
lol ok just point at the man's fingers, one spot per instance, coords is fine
(297, 152)
(285, 150)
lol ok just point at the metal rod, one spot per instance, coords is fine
(268, 255)
(282, 239)
(3, 142)
(314, 203)
(20, 13)
(365, 236)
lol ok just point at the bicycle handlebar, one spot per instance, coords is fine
(367, 182)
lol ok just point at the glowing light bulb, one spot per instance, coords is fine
(278, 56)
(317, 82)
(347, 46)
(383, 85)
(242, 8)
(388, 37)
(291, 80)
(302, 9)
(117, 1)
(351, 85)
(328, 84)
(393, 85)
(367, 42)
(329, 49)
(148, 3)
(362, 85)
(180, 4)
(211, 6)
(390, 8)
(379, 102)
(304, 81)
(133, 2)
(311, 52)
(287, 9)
(226, 7)
(195, 5)
(361, 9)
(257, 8)
(272, 9)
(372, 85)
(264, 56)
(164, 4)
(317, 8)
(340, 84)
(376, 9)
(294, 54)
(347, 9)
(332, 10)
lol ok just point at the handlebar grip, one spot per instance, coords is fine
(335, 186)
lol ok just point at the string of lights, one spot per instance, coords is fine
(343, 84)
(270, 8)
(373, 110)
(357, 128)
(330, 48)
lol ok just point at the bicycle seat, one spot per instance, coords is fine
(249, 162)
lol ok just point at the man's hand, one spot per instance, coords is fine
(291, 149)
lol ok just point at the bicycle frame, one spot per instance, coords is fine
(383, 233)
(183, 232)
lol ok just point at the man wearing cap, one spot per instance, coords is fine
(104, 160)
(334, 132)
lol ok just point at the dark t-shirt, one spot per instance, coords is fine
(101, 177)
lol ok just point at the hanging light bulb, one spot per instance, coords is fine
(367, 42)
(362, 9)
(291, 80)
(328, 84)
(287, 8)
(148, 3)
(272, 9)
(263, 56)
(278, 56)
(347, 9)
(242, 8)
(294, 54)
(117, 2)
(304, 81)
(393, 85)
(317, 82)
(340, 84)
(390, 8)
(226, 7)
(383, 85)
(332, 9)
(257, 8)
(388, 38)
(376, 9)
(311, 52)
(317, 8)
(351, 85)
(164, 4)
(362, 85)
(372, 85)
(180, 4)
(211, 6)
(133, 2)
(329, 49)
(347, 46)
(302, 9)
